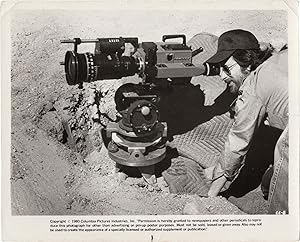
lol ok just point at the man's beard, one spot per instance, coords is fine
(234, 86)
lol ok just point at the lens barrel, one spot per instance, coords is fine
(75, 67)
(88, 67)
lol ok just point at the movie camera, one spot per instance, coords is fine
(139, 138)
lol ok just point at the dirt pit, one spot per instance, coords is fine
(59, 165)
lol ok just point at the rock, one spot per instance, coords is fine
(79, 112)
(150, 180)
(150, 188)
(209, 208)
(190, 209)
(81, 122)
(105, 89)
(61, 105)
(161, 182)
(121, 176)
(194, 208)
(101, 108)
(97, 167)
(94, 112)
(91, 99)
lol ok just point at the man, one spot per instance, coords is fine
(262, 84)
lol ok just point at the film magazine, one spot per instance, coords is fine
(116, 116)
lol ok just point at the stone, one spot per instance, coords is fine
(97, 167)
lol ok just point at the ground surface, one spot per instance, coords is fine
(53, 175)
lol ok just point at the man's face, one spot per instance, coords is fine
(233, 74)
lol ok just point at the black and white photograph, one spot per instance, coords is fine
(149, 112)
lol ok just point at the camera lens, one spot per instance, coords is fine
(75, 68)
(88, 67)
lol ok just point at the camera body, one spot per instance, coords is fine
(139, 138)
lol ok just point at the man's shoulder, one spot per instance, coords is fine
(268, 77)
(272, 72)
(277, 63)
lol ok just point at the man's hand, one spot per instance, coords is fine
(216, 186)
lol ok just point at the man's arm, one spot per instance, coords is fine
(249, 112)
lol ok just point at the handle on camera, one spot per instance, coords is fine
(174, 36)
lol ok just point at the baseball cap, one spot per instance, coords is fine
(231, 41)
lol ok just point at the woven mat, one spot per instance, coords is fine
(198, 123)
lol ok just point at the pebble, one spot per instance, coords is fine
(102, 109)
(150, 188)
(91, 99)
(122, 176)
(104, 89)
(94, 111)
(97, 167)
(82, 121)
(209, 208)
